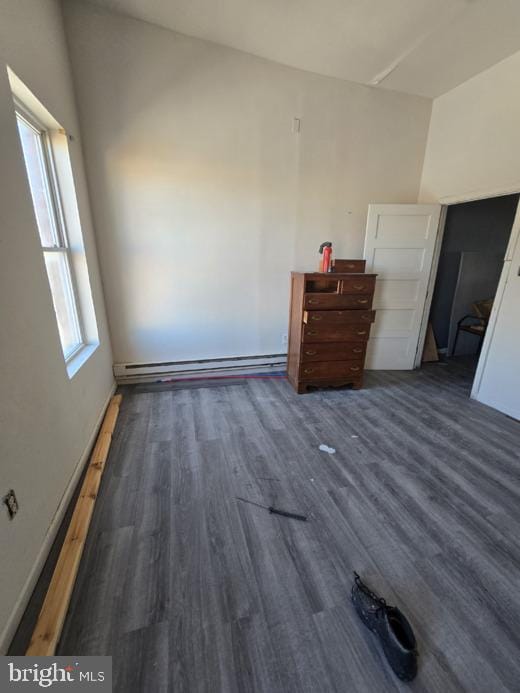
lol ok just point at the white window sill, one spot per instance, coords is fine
(80, 358)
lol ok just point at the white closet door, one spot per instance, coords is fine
(399, 247)
(497, 381)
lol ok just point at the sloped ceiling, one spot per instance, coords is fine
(423, 47)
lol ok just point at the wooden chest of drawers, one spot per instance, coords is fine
(329, 326)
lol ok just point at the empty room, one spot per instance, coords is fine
(260, 346)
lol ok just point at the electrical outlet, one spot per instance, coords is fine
(285, 340)
(11, 503)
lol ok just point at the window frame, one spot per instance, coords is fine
(57, 218)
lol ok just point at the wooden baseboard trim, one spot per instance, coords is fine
(52, 615)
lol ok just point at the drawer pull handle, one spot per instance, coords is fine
(366, 317)
(312, 353)
(359, 286)
(350, 266)
(362, 300)
(312, 300)
(357, 351)
(354, 368)
(316, 317)
(361, 332)
(309, 370)
(312, 332)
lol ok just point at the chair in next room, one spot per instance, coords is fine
(478, 326)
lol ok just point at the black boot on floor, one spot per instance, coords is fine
(394, 631)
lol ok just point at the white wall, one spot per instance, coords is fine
(46, 420)
(204, 197)
(474, 139)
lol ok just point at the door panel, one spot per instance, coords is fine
(397, 260)
(497, 382)
(389, 291)
(407, 227)
(395, 322)
(399, 247)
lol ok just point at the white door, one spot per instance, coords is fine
(399, 248)
(497, 381)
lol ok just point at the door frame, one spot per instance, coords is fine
(514, 238)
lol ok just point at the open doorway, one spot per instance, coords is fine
(475, 239)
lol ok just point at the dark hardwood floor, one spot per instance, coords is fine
(193, 591)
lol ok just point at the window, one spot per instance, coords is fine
(41, 173)
(50, 155)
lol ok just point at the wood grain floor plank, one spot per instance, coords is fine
(193, 591)
(150, 645)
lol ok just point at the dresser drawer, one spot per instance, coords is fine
(317, 301)
(351, 333)
(334, 369)
(343, 351)
(357, 284)
(339, 265)
(338, 317)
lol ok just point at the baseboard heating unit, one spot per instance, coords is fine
(178, 370)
